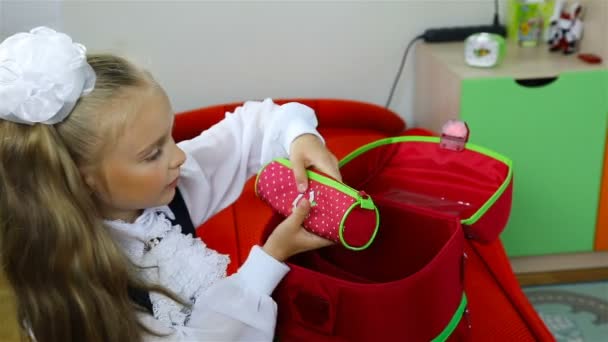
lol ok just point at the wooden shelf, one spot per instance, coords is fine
(519, 62)
(561, 268)
(559, 262)
(562, 277)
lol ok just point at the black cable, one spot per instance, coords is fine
(496, 20)
(409, 46)
(407, 49)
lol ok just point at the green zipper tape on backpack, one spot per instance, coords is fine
(456, 318)
(472, 147)
(363, 201)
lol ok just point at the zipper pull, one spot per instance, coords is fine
(366, 201)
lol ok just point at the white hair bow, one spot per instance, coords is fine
(42, 75)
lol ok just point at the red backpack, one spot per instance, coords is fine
(408, 284)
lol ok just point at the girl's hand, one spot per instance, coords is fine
(308, 150)
(289, 238)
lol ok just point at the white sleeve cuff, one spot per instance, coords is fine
(261, 272)
(302, 120)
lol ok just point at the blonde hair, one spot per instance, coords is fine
(69, 277)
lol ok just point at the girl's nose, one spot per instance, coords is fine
(179, 157)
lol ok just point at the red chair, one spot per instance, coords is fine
(499, 310)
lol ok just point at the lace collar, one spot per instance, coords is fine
(178, 262)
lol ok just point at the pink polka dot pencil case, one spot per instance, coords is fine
(338, 212)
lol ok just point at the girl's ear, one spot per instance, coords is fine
(90, 178)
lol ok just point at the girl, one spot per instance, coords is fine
(87, 170)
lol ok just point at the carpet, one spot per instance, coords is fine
(573, 312)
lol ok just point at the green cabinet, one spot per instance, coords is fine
(551, 124)
(555, 136)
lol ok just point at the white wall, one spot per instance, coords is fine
(596, 26)
(209, 52)
(22, 15)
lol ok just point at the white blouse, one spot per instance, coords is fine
(219, 162)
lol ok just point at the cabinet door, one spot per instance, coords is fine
(555, 134)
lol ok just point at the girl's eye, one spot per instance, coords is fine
(154, 155)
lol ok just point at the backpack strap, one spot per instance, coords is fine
(182, 217)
